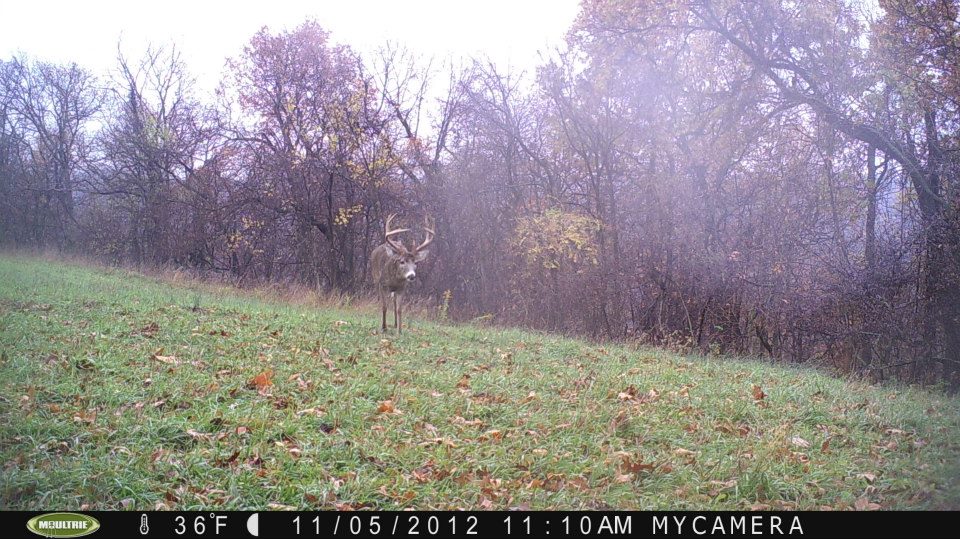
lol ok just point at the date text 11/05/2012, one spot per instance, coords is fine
(453, 525)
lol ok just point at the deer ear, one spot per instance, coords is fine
(421, 255)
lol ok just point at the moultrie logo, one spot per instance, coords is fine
(63, 525)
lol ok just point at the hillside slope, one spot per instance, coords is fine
(122, 391)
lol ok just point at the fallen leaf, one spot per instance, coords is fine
(758, 394)
(630, 464)
(150, 330)
(169, 360)
(198, 435)
(89, 416)
(387, 407)
(723, 485)
(457, 420)
(438, 441)
(493, 434)
(262, 380)
(799, 442)
(689, 456)
(863, 504)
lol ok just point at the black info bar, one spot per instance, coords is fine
(424, 524)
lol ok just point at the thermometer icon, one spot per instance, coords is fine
(144, 529)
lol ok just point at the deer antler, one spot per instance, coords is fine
(428, 227)
(387, 233)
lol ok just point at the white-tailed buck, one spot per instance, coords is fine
(394, 266)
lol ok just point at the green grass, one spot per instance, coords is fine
(124, 391)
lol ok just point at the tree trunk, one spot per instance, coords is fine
(870, 255)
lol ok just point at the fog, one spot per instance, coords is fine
(775, 179)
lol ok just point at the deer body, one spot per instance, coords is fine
(393, 267)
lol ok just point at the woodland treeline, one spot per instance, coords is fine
(760, 177)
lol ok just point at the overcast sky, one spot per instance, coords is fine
(510, 32)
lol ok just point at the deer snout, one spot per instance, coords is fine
(411, 275)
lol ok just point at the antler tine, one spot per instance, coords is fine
(387, 233)
(428, 227)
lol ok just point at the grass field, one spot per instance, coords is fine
(123, 391)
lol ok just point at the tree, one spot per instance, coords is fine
(46, 112)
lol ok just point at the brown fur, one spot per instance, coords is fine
(389, 270)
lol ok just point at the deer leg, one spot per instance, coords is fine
(396, 321)
(383, 309)
(399, 317)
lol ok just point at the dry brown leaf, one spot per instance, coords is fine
(493, 434)
(150, 330)
(863, 504)
(720, 486)
(457, 420)
(262, 380)
(799, 442)
(689, 456)
(198, 435)
(169, 360)
(630, 464)
(438, 441)
(629, 393)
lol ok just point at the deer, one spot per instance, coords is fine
(394, 267)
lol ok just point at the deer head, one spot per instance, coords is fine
(406, 260)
